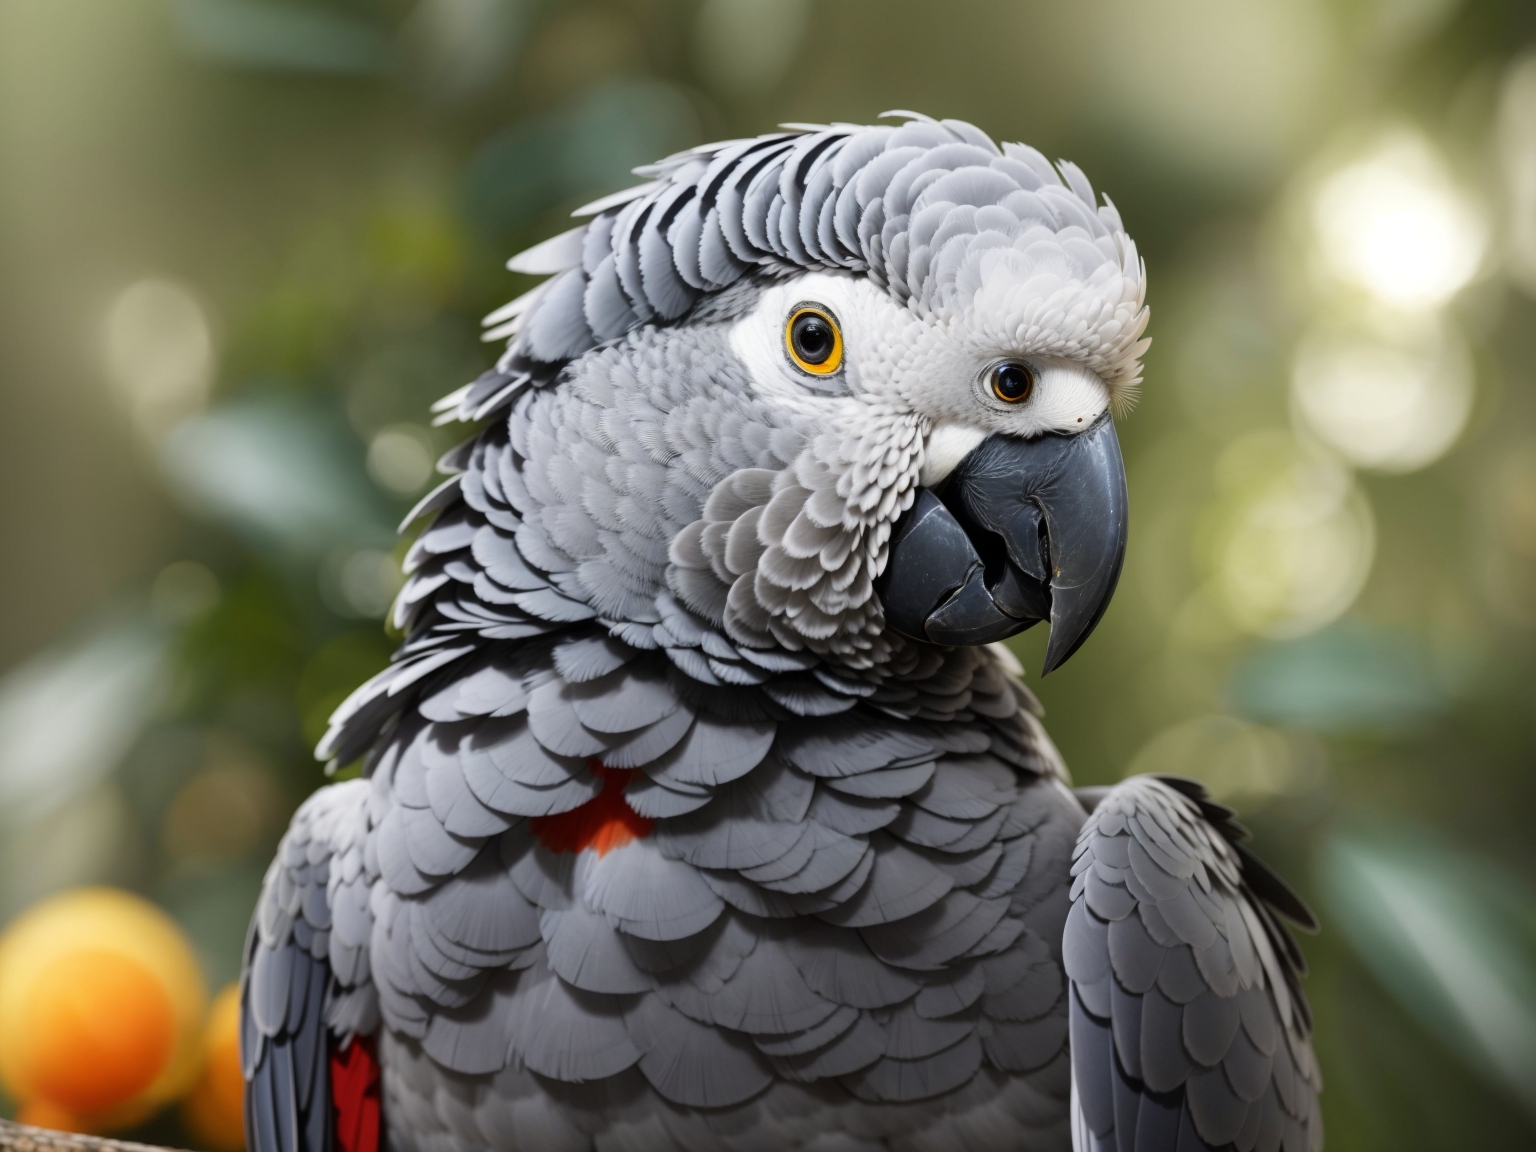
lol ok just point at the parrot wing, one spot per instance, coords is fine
(307, 1005)
(1188, 1025)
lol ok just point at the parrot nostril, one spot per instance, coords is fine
(993, 553)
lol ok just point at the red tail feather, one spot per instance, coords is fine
(355, 1095)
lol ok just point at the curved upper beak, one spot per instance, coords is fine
(1021, 531)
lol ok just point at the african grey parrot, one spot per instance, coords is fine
(700, 808)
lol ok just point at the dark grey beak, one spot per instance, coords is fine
(1021, 531)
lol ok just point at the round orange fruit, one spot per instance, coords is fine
(101, 1010)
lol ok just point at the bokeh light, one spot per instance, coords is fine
(400, 458)
(1240, 762)
(1394, 224)
(223, 812)
(745, 46)
(1229, 89)
(182, 592)
(1394, 404)
(1296, 540)
(159, 353)
(360, 583)
(1517, 154)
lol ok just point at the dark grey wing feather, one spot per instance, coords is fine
(290, 987)
(287, 1105)
(1189, 1030)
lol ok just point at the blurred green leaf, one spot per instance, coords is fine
(281, 37)
(68, 715)
(334, 671)
(583, 150)
(1448, 933)
(214, 910)
(276, 470)
(1346, 679)
(252, 643)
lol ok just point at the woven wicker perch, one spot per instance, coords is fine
(24, 1138)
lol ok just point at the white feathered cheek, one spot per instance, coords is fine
(868, 325)
(1011, 394)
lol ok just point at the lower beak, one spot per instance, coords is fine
(1021, 531)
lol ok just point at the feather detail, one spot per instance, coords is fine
(355, 1094)
(602, 824)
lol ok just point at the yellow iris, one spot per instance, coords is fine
(814, 340)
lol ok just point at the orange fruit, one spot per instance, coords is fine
(214, 1111)
(101, 1009)
(44, 1114)
(96, 1031)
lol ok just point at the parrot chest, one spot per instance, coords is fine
(816, 965)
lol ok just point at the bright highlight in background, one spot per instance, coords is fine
(1236, 760)
(1298, 538)
(160, 354)
(1395, 225)
(400, 459)
(1394, 406)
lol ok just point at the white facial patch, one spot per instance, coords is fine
(934, 367)
(947, 446)
(872, 326)
(1067, 398)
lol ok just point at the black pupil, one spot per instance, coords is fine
(813, 338)
(1012, 381)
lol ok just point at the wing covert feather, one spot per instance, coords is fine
(303, 988)
(1188, 1026)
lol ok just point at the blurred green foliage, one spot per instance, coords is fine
(245, 243)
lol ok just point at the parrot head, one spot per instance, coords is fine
(992, 434)
(900, 349)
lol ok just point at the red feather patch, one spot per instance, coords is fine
(355, 1095)
(603, 823)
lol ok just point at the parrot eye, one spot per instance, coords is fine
(813, 340)
(1012, 382)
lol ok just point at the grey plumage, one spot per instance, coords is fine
(457, 910)
(650, 896)
(852, 1050)
(1183, 979)
(656, 801)
(901, 883)
(691, 1063)
(585, 951)
(713, 753)
(665, 841)
(473, 1038)
(289, 987)
(591, 1041)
